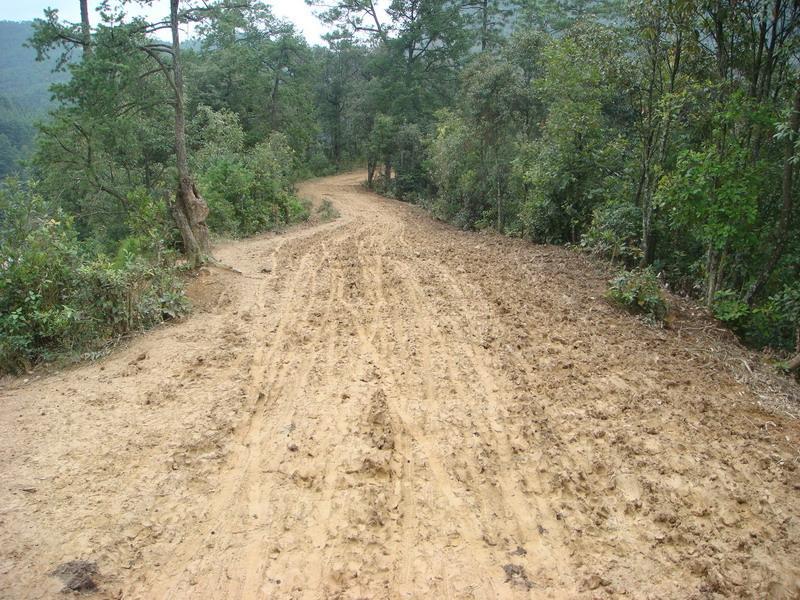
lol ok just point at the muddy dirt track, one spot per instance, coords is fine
(382, 406)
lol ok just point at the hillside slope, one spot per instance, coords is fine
(386, 407)
(24, 92)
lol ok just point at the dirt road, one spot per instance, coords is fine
(384, 407)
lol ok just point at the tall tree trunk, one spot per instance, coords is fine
(484, 25)
(659, 156)
(649, 209)
(714, 263)
(499, 207)
(86, 30)
(497, 190)
(189, 210)
(273, 97)
(371, 166)
(337, 136)
(787, 206)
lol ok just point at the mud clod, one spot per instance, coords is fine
(76, 575)
(516, 576)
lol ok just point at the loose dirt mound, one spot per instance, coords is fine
(382, 406)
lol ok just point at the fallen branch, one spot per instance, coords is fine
(213, 262)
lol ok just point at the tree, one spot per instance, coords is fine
(261, 68)
(86, 28)
(490, 20)
(492, 98)
(188, 208)
(661, 27)
(339, 92)
(791, 143)
(418, 46)
(573, 166)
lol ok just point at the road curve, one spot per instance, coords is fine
(382, 406)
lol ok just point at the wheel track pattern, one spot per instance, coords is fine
(378, 408)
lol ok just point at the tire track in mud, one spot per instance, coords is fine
(482, 466)
(268, 370)
(503, 485)
(440, 471)
(385, 407)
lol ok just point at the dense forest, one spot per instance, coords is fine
(659, 134)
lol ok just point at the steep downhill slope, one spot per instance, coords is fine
(384, 406)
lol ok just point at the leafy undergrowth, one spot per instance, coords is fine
(326, 211)
(640, 291)
(58, 297)
(63, 297)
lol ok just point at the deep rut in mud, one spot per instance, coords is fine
(385, 407)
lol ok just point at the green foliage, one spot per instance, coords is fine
(259, 68)
(729, 308)
(615, 232)
(714, 196)
(241, 202)
(57, 297)
(774, 323)
(786, 304)
(454, 160)
(783, 311)
(248, 191)
(575, 163)
(640, 291)
(473, 147)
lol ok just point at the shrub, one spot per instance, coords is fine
(775, 323)
(111, 300)
(640, 291)
(298, 210)
(729, 308)
(57, 297)
(545, 221)
(326, 211)
(614, 232)
(784, 309)
(251, 193)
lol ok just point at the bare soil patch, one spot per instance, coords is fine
(381, 406)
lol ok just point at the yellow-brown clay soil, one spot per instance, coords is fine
(383, 406)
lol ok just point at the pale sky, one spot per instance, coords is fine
(296, 11)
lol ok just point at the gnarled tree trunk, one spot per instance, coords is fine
(189, 209)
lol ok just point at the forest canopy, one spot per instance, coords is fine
(660, 134)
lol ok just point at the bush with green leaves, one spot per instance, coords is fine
(776, 323)
(248, 190)
(729, 307)
(640, 291)
(57, 296)
(615, 232)
(784, 307)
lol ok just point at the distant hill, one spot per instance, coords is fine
(24, 92)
